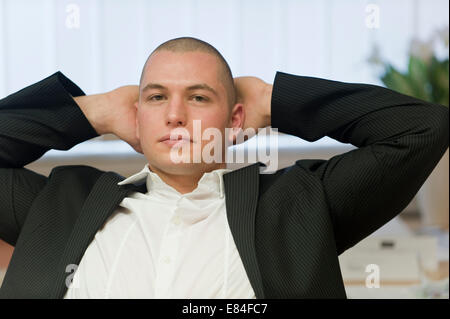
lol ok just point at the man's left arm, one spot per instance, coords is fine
(400, 140)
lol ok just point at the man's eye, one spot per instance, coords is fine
(155, 98)
(199, 98)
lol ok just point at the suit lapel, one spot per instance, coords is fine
(99, 205)
(241, 197)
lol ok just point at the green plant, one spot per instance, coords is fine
(427, 76)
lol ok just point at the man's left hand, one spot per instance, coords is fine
(255, 95)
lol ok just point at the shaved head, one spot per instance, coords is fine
(188, 44)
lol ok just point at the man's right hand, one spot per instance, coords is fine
(113, 112)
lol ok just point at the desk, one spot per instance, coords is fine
(428, 284)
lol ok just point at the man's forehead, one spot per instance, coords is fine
(168, 83)
(181, 69)
(182, 59)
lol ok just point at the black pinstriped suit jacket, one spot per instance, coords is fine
(289, 227)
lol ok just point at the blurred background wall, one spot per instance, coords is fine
(102, 44)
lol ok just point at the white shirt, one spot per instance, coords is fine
(164, 244)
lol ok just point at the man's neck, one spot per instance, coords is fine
(184, 183)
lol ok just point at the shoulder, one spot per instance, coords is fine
(302, 174)
(75, 175)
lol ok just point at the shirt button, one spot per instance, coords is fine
(166, 260)
(176, 220)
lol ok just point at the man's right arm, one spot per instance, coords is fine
(51, 114)
(41, 117)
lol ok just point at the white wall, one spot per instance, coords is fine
(324, 38)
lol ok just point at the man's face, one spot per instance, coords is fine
(176, 89)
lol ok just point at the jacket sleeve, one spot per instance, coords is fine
(38, 118)
(399, 141)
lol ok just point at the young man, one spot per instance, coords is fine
(196, 229)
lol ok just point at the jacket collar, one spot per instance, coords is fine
(241, 197)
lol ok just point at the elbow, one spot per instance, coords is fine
(439, 128)
(433, 139)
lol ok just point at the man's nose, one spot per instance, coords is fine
(176, 113)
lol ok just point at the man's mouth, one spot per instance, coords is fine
(175, 139)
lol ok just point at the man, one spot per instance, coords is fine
(196, 229)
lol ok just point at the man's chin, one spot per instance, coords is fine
(182, 168)
(178, 169)
(169, 167)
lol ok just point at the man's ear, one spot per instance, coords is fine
(136, 104)
(237, 119)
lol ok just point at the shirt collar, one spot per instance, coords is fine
(210, 181)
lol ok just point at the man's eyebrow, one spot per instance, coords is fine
(153, 86)
(202, 86)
